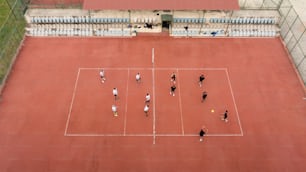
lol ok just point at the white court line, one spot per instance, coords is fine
(150, 135)
(180, 103)
(126, 102)
(71, 104)
(196, 135)
(233, 97)
(150, 68)
(152, 55)
(118, 68)
(153, 87)
(190, 68)
(154, 115)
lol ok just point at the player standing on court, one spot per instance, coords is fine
(115, 93)
(146, 109)
(102, 76)
(225, 116)
(204, 95)
(173, 78)
(138, 77)
(148, 98)
(172, 90)
(202, 133)
(201, 79)
(114, 109)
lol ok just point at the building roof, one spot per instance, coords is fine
(161, 4)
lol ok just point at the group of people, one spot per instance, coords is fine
(204, 96)
(173, 78)
(147, 97)
(224, 116)
(115, 93)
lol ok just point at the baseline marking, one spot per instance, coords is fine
(71, 104)
(150, 68)
(150, 135)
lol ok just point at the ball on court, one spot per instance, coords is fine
(212, 111)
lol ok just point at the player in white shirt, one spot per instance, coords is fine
(115, 93)
(148, 98)
(102, 76)
(146, 109)
(114, 109)
(138, 77)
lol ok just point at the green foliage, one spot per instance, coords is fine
(4, 11)
(12, 24)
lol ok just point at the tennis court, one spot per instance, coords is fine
(56, 114)
(170, 116)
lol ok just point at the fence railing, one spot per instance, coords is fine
(292, 29)
(293, 32)
(260, 4)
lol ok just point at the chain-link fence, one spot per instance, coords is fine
(292, 29)
(11, 33)
(293, 32)
(259, 4)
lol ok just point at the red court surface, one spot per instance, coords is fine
(55, 114)
(161, 4)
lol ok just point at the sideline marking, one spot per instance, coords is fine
(71, 104)
(180, 103)
(153, 87)
(233, 97)
(126, 102)
(150, 135)
(150, 68)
